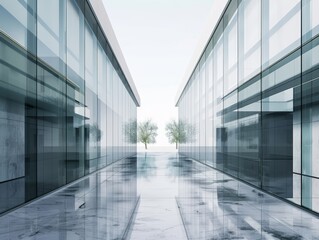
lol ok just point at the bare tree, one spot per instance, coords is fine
(147, 132)
(176, 132)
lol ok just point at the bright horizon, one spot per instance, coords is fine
(158, 39)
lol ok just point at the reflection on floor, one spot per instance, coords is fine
(176, 194)
(216, 206)
(97, 207)
(158, 216)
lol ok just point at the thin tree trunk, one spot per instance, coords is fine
(176, 145)
(145, 146)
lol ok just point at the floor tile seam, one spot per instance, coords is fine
(133, 216)
(182, 219)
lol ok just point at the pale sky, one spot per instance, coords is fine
(158, 39)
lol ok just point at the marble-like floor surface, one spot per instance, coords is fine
(216, 206)
(212, 205)
(99, 207)
(158, 215)
(179, 199)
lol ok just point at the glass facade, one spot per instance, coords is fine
(255, 113)
(66, 107)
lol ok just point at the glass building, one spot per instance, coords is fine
(250, 103)
(67, 100)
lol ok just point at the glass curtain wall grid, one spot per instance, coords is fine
(251, 105)
(66, 108)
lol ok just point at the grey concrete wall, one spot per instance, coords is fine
(12, 137)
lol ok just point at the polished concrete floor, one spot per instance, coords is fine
(158, 216)
(216, 206)
(99, 206)
(159, 196)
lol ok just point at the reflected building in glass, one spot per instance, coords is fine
(67, 99)
(250, 102)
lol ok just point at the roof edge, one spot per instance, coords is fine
(105, 24)
(217, 12)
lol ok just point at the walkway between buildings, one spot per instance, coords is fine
(159, 196)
